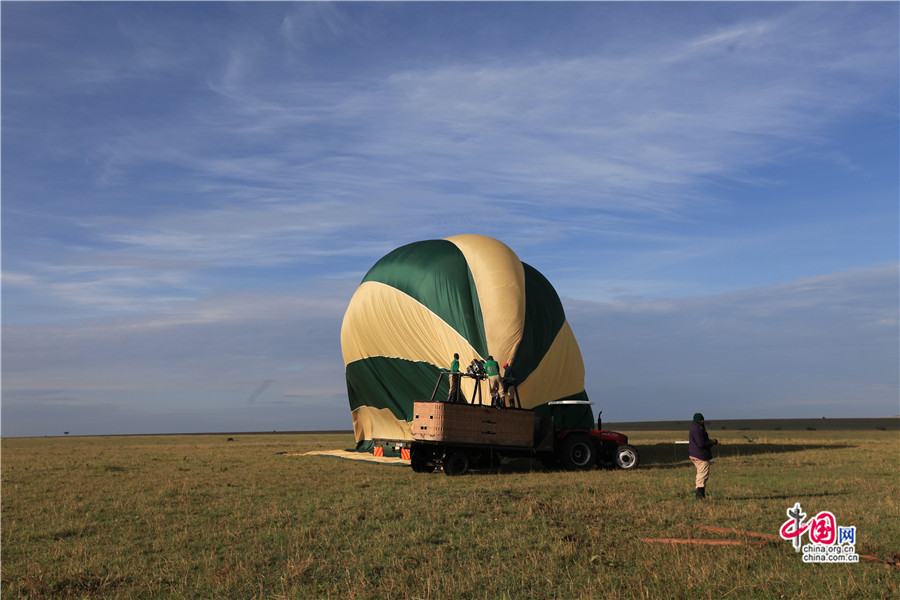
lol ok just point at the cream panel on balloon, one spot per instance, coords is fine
(500, 280)
(560, 373)
(370, 423)
(383, 321)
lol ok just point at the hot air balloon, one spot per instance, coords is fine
(466, 294)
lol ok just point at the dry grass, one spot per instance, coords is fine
(201, 517)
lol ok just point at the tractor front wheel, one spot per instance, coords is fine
(627, 457)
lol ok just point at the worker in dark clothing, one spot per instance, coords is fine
(699, 449)
(492, 370)
(509, 385)
(454, 379)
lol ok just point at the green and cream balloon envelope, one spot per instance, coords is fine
(466, 294)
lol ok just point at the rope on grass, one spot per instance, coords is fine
(767, 536)
(700, 542)
(892, 563)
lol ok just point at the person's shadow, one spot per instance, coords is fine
(668, 455)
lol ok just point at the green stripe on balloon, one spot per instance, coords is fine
(392, 383)
(435, 273)
(544, 317)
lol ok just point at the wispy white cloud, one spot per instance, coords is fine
(308, 23)
(217, 344)
(574, 131)
(632, 130)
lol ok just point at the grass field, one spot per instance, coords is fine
(204, 517)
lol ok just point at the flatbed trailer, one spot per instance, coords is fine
(453, 436)
(456, 436)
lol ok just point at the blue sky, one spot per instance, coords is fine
(191, 193)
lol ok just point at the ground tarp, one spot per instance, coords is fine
(353, 455)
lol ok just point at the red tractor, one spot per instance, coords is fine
(582, 449)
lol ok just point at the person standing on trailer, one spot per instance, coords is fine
(509, 385)
(492, 370)
(454, 379)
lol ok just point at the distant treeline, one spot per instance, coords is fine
(825, 424)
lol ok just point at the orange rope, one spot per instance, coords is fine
(767, 536)
(700, 542)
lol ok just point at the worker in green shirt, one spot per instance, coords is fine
(492, 370)
(454, 379)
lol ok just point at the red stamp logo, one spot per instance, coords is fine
(828, 542)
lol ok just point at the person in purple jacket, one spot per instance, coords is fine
(699, 449)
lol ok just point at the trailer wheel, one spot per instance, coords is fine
(627, 457)
(421, 464)
(578, 452)
(456, 463)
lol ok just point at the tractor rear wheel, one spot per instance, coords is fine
(606, 454)
(578, 452)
